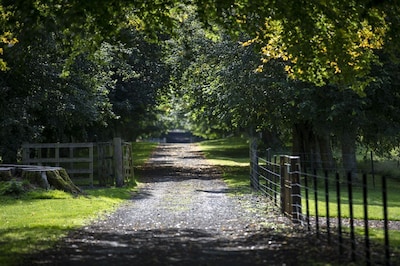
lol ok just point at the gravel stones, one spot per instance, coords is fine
(184, 214)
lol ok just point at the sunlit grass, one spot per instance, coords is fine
(36, 220)
(378, 236)
(232, 156)
(142, 151)
(374, 200)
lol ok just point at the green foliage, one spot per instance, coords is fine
(215, 85)
(80, 91)
(139, 76)
(81, 71)
(48, 194)
(324, 42)
(13, 187)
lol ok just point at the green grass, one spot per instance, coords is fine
(374, 199)
(142, 151)
(232, 156)
(375, 206)
(35, 220)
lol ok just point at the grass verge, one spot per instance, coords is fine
(232, 156)
(35, 220)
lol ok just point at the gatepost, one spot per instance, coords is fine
(290, 187)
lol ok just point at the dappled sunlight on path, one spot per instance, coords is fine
(184, 214)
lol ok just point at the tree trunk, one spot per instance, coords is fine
(305, 145)
(324, 141)
(50, 177)
(271, 140)
(348, 142)
(60, 180)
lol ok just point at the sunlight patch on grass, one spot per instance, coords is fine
(227, 162)
(232, 156)
(35, 220)
(142, 151)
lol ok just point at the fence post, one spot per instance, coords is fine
(296, 189)
(285, 186)
(91, 164)
(290, 187)
(25, 153)
(118, 162)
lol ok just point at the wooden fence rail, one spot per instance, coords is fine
(111, 162)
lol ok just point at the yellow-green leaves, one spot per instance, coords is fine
(6, 37)
(324, 43)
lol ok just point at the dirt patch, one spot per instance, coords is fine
(184, 214)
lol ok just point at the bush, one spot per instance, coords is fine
(12, 187)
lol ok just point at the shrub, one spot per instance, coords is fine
(12, 187)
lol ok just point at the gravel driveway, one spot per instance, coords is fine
(184, 214)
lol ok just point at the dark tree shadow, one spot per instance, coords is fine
(177, 246)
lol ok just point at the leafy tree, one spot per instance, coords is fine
(140, 77)
(216, 78)
(83, 24)
(381, 130)
(325, 42)
(340, 56)
(42, 105)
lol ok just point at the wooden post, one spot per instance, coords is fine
(91, 164)
(285, 186)
(290, 187)
(118, 162)
(25, 153)
(296, 189)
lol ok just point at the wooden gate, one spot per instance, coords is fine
(75, 158)
(101, 163)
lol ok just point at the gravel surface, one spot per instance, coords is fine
(184, 214)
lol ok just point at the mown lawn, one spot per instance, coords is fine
(35, 220)
(232, 155)
(375, 205)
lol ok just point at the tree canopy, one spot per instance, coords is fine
(308, 72)
(324, 42)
